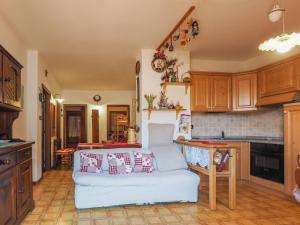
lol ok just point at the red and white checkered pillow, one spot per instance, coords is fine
(119, 163)
(143, 162)
(90, 162)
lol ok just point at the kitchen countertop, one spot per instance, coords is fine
(268, 140)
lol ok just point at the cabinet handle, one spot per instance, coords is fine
(5, 162)
(27, 153)
(7, 79)
(21, 190)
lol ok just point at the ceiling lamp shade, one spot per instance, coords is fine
(284, 42)
(58, 98)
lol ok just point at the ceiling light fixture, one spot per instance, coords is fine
(58, 98)
(284, 42)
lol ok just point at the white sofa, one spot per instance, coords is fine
(170, 184)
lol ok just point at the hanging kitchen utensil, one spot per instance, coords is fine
(195, 28)
(171, 47)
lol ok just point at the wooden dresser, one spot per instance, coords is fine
(15, 182)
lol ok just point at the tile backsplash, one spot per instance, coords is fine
(266, 122)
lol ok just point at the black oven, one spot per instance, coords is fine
(267, 161)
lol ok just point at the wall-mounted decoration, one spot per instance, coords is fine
(159, 62)
(163, 100)
(184, 123)
(186, 28)
(97, 99)
(138, 101)
(137, 67)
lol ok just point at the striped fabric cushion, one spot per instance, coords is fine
(90, 162)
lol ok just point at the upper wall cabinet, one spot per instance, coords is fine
(244, 91)
(210, 92)
(278, 83)
(10, 82)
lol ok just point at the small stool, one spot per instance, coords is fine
(64, 157)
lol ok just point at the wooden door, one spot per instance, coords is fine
(95, 125)
(279, 79)
(8, 197)
(291, 144)
(24, 196)
(74, 125)
(46, 129)
(200, 93)
(11, 83)
(244, 91)
(221, 93)
(113, 111)
(1, 78)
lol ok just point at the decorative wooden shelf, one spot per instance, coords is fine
(164, 110)
(186, 84)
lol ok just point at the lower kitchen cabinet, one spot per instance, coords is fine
(8, 187)
(16, 198)
(291, 145)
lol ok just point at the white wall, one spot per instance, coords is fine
(27, 126)
(150, 84)
(108, 98)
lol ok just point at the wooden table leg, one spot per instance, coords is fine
(232, 179)
(212, 182)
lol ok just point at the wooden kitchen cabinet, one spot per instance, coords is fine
(221, 93)
(1, 79)
(200, 93)
(291, 144)
(8, 186)
(210, 92)
(244, 91)
(16, 198)
(278, 83)
(10, 81)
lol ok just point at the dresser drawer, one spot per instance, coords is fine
(7, 161)
(24, 154)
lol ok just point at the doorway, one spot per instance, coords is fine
(117, 131)
(46, 129)
(74, 125)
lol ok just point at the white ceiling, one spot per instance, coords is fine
(93, 44)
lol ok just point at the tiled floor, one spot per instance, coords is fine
(54, 204)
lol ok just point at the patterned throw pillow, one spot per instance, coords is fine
(119, 163)
(143, 162)
(90, 162)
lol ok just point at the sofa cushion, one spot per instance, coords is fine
(105, 152)
(160, 134)
(90, 162)
(143, 162)
(135, 179)
(119, 163)
(169, 157)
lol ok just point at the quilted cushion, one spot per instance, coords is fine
(143, 162)
(90, 163)
(119, 163)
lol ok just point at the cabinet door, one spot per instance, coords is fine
(221, 93)
(279, 79)
(291, 144)
(244, 92)
(1, 78)
(24, 197)
(8, 197)
(200, 93)
(11, 83)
